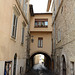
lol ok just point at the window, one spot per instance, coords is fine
(36, 23)
(20, 1)
(58, 64)
(15, 18)
(41, 22)
(40, 42)
(24, 6)
(55, 10)
(46, 23)
(59, 35)
(72, 68)
(61, 9)
(26, 10)
(59, 2)
(23, 29)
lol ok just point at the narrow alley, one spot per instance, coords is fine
(37, 37)
(39, 69)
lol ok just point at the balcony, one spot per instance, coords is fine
(41, 23)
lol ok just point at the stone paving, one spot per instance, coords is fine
(39, 69)
(39, 72)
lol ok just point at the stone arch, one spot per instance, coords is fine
(42, 52)
(47, 60)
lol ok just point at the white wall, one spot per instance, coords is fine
(21, 63)
(2, 67)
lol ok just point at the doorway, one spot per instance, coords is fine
(64, 65)
(15, 61)
(8, 68)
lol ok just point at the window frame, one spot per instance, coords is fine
(41, 42)
(59, 35)
(14, 26)
(72, 67)
(20, 1)
(59, 2)
(24, 5)
(23, 34)
(42, 23)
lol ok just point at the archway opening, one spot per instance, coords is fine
(40, 58)
(15, 61)
(64, 65)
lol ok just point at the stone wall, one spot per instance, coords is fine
(65, 22)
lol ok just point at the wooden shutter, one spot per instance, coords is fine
(40, 42)
(23, 29)
(15, 26)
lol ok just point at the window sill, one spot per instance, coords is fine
(59, 41)
(40, 47)
(40, 26)
(22, 44)
(13, 38)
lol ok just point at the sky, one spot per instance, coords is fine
(39, 6)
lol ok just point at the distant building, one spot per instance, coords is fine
(36, 59)
(14, 23)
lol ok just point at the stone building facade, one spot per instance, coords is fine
(63, 37)
(40, 33)
(38, 30)
(14, 23)
(36, 58)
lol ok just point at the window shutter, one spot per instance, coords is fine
(40, 42)
(26, 10)
(46, 23)
(59, 35)
(23, 29)
(20, 1)
(24, 6)
(15, 26)
(59, 2)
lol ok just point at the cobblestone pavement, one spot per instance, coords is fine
(39, 72)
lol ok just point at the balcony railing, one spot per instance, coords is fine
(40, 26)
(41, 23)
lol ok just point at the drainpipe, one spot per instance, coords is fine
(54, 53)
(54, 49)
